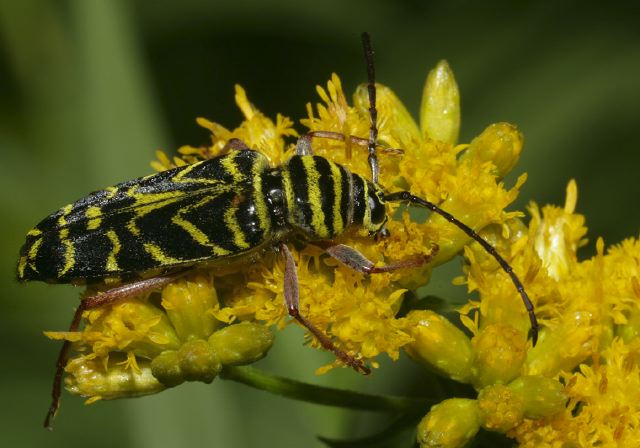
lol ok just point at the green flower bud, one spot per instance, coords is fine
(187, 302)
(499, 352)
(541, 396)
(631, 330)
(500, 407)
(500, 143)
(242, 343)
(450, 424)
(166, 368)
(440, 108)
(198, 361)
(90, 378)
(440, 345)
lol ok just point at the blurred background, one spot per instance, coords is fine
(90, 89)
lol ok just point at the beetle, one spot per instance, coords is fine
(145, 233)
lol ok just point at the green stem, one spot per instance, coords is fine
(322, 395)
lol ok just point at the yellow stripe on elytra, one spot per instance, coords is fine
(231, 166)
(112, 262)
(232, 224)
(315, 199)
(69, 257)
(94, 216)
(62, 219)
(158, 255)
(142, 199)
(34, 232)
(22, 265)
(29, 258)
(110, 192)
(143, 210)
(199, 236)
(33, 250)
(133, 228)
(338, 225)
(179, 177)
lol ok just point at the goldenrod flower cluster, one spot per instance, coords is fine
(579, 386)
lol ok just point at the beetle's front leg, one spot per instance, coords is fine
(355, 260)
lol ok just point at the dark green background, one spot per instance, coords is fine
(89, 89)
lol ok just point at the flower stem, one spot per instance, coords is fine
(323, 395)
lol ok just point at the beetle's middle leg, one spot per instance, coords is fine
(292, 300)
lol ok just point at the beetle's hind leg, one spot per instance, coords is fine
(292, 300)
(108, 297)
(235, 144)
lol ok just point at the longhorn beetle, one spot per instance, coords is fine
(149, 231)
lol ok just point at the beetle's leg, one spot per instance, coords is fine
(235, 144)
(108, 297)
(291, 298)
(355, 260)
(303, 145)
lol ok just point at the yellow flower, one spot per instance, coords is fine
(358, 312)
(604, 405)
(135, 347)
(589, 310)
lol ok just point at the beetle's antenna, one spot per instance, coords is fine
(373, 112)
(405, 196)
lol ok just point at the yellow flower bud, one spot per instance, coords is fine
(166, 368)
(242, 343)
(198, 361)
(541, 396)
(90, 377)
(564, 347)
(499, 143)
(392, 113)
(450, 424)
(439, 345)
(502, 238)
(187, 302)
(500, 407)
(440, 108)
(499, 352)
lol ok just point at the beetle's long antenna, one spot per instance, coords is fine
(373, 112)
(405, 196)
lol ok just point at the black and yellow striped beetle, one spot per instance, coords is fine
(146, 232)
